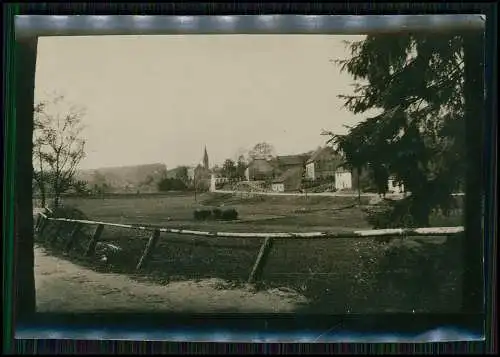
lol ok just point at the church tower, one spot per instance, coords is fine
(205, 159)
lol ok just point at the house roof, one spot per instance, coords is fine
(291, 159)
(322, 152)
(291, 177)
(261, 165)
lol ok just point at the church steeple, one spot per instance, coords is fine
(205, 159)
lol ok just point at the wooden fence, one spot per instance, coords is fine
(268, 238)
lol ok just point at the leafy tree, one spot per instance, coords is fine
(100, 184)
(261, 151)
(81, 187)
(241, 167)
(182, 174)
(380, 176)
(229, 169)
(171, 184)
(430, 90)
(417, 83)
(58, 146)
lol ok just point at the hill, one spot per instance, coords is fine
(125, 178)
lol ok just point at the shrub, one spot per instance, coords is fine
(391, 214)
(171, 184)
(229, 214)
(217, 213)
(202, 214)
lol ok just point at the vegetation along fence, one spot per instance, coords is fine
(262, 257)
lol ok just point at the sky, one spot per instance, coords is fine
(162, 99)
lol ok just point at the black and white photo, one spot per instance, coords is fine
(251, 173)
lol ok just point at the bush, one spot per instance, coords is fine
(202, 214)
(217, 213)
(391, 214)
(229, 214)
(171, 184)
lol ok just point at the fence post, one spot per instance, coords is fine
(149, 248)
(261, 260)
(93, 241)
(39, 218)
(72, 237)
(42, 225)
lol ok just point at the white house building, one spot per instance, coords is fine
(343, 179)
(310, 171)
(190, 173)
(394, 186)
(278, 187)
(322, 164)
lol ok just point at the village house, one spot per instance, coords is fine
(190, 173)
(322, 164)
(283, 163)
(394, 187)
(343, 179)
(218, 177)
(289, 181)
(260, 170)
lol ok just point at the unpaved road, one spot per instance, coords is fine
(62, 286)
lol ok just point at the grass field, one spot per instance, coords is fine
(337, 275)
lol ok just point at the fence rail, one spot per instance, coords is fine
(268, 237)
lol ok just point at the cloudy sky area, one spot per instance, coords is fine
(163, 98)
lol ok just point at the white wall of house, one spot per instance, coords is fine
(343, 180)
(213, 180)
(310, 172)
(190, 173)
(278, 187)
(393, 186)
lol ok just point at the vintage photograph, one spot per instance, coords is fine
(250, 173)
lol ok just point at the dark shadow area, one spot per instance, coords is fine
(409, 325)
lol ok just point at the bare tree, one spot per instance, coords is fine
(38, 142)
(261, 150)
(58, 146)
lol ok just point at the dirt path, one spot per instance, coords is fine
(65, 287)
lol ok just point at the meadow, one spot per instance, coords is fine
(336, 275)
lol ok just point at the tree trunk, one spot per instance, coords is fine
(41, 183)
(56, 200)
(421, 212)
(358, 183)
(25, 296)
(475, 117)
(43, 202)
